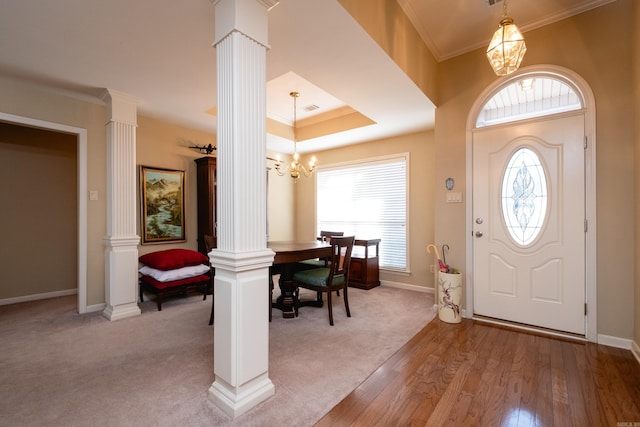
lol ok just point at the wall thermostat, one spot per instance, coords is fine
(449, 184)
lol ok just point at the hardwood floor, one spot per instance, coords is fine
(472, 374)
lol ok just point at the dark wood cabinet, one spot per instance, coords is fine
(206, 181)
(364, 272)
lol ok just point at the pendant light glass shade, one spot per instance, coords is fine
(507, 48)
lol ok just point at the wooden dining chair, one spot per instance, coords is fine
(333, 277)
(325, 236)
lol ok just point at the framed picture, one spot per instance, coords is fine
(162, 199)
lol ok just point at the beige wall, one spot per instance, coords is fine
(39, 214)
(420, 147)
(596, 45)
(281, 206)
(38, 103)
(386, 23)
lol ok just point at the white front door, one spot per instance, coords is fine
(529, 222)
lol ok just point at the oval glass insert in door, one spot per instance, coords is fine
(524, 196)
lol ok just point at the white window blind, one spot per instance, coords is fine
(368, 200)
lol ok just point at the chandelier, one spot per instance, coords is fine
(507, 47)
(295, 168)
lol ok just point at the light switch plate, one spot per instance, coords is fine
(454, 197)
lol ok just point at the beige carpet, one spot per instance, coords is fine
(58, 368)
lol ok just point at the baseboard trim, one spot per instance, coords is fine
(408, 287)
(635, 350)
(36, 297)
(95, 307)
(614, 341)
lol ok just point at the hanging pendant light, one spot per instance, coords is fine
(295, 168)
(507, 47)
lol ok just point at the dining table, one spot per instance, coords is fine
(287, 256)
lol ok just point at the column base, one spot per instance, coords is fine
(235, 402)
(120, 312)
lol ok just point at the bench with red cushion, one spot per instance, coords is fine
(173, 262)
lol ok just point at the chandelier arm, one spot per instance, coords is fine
(294, 168)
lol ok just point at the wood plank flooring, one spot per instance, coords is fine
(474, 374)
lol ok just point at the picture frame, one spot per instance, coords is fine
(162, 199)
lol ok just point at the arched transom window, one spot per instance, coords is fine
(529, 96)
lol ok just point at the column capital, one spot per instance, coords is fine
(121, 107)
(248, 17)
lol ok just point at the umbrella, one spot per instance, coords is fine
(444, 254)
(441, 264)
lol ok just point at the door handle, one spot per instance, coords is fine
(478, 233)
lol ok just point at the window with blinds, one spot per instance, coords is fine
(367, 199)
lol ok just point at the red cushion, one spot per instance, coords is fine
(163, 285)
(171, 259)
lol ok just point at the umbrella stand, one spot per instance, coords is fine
(449, 288)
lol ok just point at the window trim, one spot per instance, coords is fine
(403, 156)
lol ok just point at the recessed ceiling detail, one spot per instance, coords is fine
(319, 113)
(331, 122)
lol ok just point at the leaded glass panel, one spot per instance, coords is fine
(524, 196)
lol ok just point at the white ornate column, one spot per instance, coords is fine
(242, 259)
(121, 241)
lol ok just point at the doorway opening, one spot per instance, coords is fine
(529, 113)
(81, 182)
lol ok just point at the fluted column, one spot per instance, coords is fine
(242, 259)
(121, 241)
